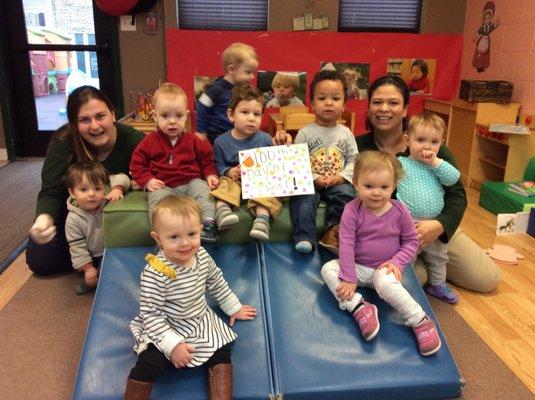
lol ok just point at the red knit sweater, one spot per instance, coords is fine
(175, 165)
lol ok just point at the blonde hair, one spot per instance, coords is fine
(377, 161)
(286, 80)
(171, 90)
(236, 54)
(179, 206)
(426, 119)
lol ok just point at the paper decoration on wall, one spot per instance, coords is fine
(276, 171)
(357, 77)
(282, 88)
(481, 60)
(418, 73)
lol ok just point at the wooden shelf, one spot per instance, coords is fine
(492, 162)
(491, 139)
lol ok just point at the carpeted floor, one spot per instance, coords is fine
(42, 332)
(20, 182)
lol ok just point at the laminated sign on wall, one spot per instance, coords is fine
(276, 171)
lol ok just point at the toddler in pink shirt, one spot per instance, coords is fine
(377, 241)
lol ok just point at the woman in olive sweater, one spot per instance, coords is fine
(468, 266)
(92, 133)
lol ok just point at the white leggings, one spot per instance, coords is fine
(386, 285)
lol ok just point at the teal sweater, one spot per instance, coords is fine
(52, 199)
(454, 196)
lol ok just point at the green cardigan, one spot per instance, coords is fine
(53, 195)
(454, 196)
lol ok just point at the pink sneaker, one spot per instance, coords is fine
(427, 337)
(366, 317)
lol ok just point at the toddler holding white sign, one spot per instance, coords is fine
(245, 112)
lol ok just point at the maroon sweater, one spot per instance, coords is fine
(156, 157)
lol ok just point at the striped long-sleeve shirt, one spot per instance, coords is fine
(175, 310)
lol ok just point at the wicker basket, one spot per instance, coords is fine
(486, 91)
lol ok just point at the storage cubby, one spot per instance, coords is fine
(482, 155)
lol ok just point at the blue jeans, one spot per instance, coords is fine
(303, 210)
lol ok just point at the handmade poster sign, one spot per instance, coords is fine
(276, 171)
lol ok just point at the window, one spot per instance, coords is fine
(380, 15)
(245, 15)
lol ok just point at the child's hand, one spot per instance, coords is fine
(115, 194)
(181, 355)
(212, 181)
(155, 184)
(334, 180)
(245, 313)
(281, 138)
(134, 185)
(346, 290)
(234, 173)
(90, 275)
(320, 182)
(391, 268)
(429, 157)
(201, 135)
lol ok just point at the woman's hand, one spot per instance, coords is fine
(212, 181)
(155, 184)
(429, 231)
(391, 268)
(181, 355)
(245, 313)
(346, 290)
(115, 194)
(234, 173)
(43, 229)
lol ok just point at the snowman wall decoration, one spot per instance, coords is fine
(481, 59)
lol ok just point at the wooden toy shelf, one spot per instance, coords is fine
(482, 155)
(499, 156)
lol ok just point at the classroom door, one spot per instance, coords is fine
(50, 47)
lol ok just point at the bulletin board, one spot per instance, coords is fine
(195, 52)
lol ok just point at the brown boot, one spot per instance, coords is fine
(330, 238)
(220, 382)
(136, 390)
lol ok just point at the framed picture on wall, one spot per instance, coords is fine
(418, 73)
(356, 75)
(282, 88)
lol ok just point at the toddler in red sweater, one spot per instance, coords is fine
(171, 161)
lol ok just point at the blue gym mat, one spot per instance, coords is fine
(301, 345)
(108, 356)
(317, 348)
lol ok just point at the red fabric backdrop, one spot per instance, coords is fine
(191, 52)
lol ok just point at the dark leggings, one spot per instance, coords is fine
(50, 258)
(151, 363)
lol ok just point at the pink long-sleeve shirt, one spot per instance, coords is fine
(371, 240)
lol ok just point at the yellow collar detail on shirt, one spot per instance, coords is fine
(160, 266)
